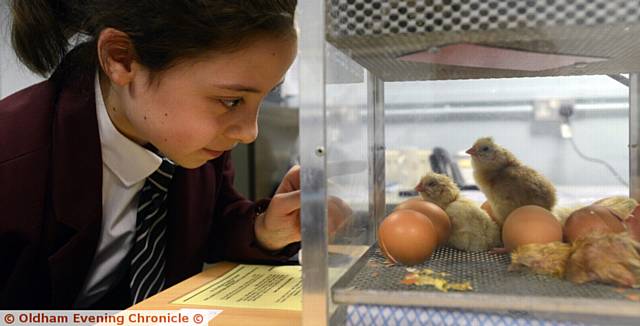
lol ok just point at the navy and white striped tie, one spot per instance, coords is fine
(147, 264)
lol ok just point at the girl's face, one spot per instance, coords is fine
(198, 109)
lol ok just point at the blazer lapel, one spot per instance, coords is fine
(76, 188)
(191, 202)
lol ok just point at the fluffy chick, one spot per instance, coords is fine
(506, 182)
(471, 227)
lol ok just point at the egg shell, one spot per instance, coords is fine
(530, 224)
(437, 215)
(620, 206)
(408, 237)
(633, 224)
(591, 219)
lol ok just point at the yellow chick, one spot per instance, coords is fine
(506, 182)
(471, 227)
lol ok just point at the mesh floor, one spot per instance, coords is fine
(487, 273)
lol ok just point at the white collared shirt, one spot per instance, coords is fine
(125, 167)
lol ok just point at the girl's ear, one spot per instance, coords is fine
(116, 55)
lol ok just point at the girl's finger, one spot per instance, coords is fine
(290, 181)
(285, 203)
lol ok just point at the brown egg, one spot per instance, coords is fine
(487, 208)
(438, 217)
(591, 219)
(407, 237)
(530, 224)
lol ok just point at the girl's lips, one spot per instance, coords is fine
(212, 153)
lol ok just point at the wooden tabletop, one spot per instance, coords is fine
(229, 316)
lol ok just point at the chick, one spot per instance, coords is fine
(471, 227)
(608, 258)
(541, 258)
(506, 182)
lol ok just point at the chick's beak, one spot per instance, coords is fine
(471, 151)
(419, 188)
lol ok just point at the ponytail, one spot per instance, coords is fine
(40, 32)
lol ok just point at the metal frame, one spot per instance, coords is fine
(313, 158)
(574, 307)
(375, 131)
(634, 136)
(315, 293)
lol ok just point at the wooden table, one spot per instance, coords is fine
(229, 316)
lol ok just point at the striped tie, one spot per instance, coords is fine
(147, 265)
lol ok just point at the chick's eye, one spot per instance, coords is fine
(231, 103)
(432, 184)
(484, 148)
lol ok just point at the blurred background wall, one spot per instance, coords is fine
(13, 76)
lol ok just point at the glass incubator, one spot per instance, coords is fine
(393, 90)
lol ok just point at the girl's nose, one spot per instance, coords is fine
(244, 131)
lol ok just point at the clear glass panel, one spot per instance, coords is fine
(347, 162)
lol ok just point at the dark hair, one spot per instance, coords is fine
(163, 32)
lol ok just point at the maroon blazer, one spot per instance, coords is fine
(51, 200)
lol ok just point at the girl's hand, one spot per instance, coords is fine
(279, 225)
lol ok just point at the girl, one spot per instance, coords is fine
(115, 176)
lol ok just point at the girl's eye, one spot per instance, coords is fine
(231, 103)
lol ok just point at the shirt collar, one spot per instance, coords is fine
(129, 161)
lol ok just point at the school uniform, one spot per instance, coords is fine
(68, 187)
